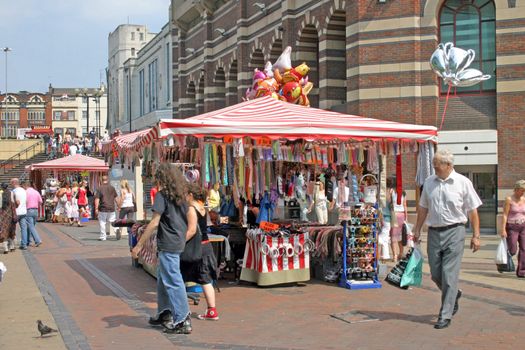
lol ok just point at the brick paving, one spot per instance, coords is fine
(99, 301)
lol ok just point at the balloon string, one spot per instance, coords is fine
(444, 109)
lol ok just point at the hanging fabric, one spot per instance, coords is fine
(399, 179)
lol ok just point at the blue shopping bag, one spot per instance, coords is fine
(414, 271)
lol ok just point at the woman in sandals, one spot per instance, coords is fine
(203, 272)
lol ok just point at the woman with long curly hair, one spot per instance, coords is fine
(170, 223)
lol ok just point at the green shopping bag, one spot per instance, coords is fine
(414, 271)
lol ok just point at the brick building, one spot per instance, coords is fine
(24, 110)
(370, 57)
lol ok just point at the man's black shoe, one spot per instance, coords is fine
(164, 317)
(183, 327)
(442, 323)
(456, 304)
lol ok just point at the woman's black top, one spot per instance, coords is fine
(202, 221)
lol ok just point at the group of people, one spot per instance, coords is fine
(19, 206)
(58, 146)
(178, 214)
(71, 203)
(108, 202)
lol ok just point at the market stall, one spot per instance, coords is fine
(47, 175)
(272, 154)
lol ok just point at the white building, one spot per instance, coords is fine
(148, 84)
(78, 110)
(123, 43)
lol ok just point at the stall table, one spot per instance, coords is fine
(266, 271)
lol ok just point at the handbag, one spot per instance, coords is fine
(404, 234)
(193, 249)
(15, 216)
(134, 203)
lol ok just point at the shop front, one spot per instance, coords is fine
(283, 167)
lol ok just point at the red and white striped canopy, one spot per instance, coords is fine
(125, 141)
(268, 117)
(76, 162)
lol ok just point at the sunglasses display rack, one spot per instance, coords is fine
(360, 248)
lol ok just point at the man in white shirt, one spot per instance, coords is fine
(447, 201)
(73, 149)
(18, 197)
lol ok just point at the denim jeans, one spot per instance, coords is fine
(31, 216)
(171, 291)
(24, 238)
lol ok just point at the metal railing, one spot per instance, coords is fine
(17, 159)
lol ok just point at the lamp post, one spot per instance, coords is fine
(85, 95)
(6, 50)
(96, 98)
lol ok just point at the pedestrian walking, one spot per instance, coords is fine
(7, 220)
(203, 272)
(33, 202)
(170, 223)
(126, 205)
(82, 201)
(513, 225)
(105, 204)
(400, 212)
(447, 201)
(18, 197)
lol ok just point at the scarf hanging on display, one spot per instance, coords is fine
(206, 163)
(372, 163)
(399, 179)
(224, 165)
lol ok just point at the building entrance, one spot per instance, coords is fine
(484, 180)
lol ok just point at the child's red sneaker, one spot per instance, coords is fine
(211, 314)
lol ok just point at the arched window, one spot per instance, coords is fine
(470, 24)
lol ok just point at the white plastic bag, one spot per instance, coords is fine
(501, 252)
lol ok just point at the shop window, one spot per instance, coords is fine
(471, 24)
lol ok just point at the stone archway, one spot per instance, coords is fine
(307, 50)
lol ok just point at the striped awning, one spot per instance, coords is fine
(125, 141)
(76, 162)
(267, 117)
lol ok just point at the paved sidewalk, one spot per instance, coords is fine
(480, 267)
(21, 304)
(89, 290)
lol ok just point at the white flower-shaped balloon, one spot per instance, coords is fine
(451, 63)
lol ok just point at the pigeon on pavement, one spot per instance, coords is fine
(43, 329)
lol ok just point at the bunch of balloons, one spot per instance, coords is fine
(451, 63)
(282, 81)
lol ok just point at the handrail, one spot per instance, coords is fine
(17, 157)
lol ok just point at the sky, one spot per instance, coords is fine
(65, 42)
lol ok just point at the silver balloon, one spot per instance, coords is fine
(459, 59)
(470, 77)
(438, 60)
(451, 63)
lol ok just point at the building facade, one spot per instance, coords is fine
(148, 84)
(123, 43)
(370, 58)
(24, 110)
(77, 111)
